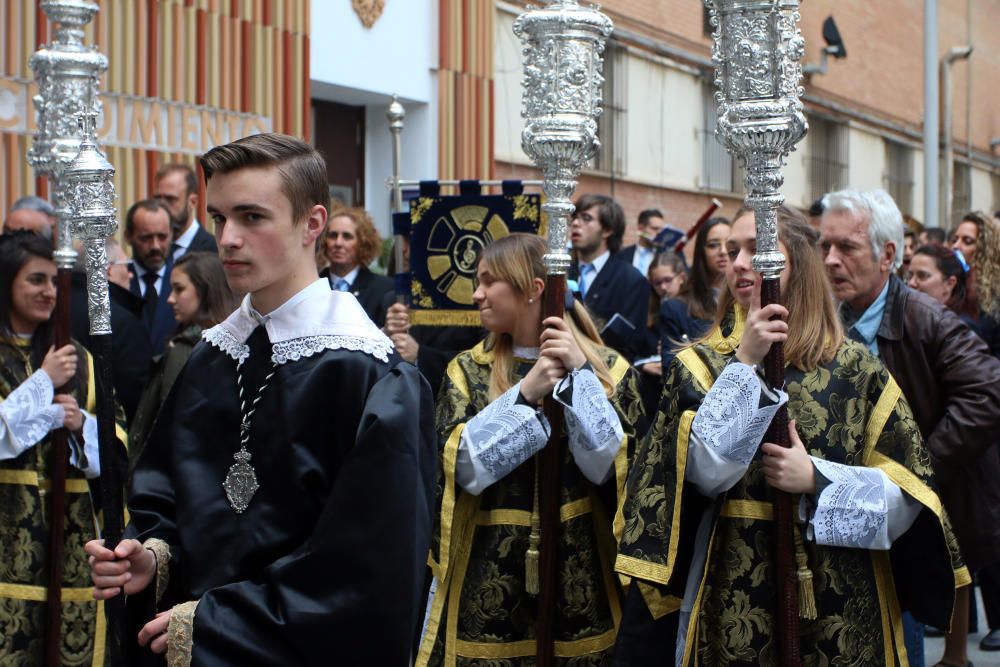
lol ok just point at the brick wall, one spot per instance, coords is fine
(882, 77)
(883, 73)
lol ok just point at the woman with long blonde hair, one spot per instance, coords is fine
(484, 555)
(696, 526)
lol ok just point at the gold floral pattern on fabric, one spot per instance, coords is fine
(24, 539)
(849, 412)
(481, 613)
(180, 634)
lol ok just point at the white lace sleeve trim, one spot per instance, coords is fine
(858, 508)
(501, 437)
(593, 428)
(220, 337)
(735, 414)
(300, 348)
(27, 415)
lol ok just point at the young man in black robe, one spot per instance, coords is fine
(282, 507)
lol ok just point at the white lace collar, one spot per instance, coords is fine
(314, 320)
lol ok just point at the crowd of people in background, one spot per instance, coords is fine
(655, 366)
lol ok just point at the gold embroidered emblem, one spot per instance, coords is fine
(368, 11)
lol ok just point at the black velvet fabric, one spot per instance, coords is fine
(327, 563)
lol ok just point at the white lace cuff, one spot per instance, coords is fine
(501, 437)
(736, 412)
(592, 425)
(856, 507)
(728, 428)
(27, 415)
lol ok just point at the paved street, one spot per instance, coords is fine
(933, 647)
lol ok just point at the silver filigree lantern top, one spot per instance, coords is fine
(757, 48)
(90, 198)
(67, 73)
(563, 43)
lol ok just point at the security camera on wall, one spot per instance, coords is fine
(834, 47)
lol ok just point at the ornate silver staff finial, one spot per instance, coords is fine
(396, 114)
(67, 74)
(90, 198)
(756, 48)
(563, 43)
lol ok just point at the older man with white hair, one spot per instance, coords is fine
(945, 371)
(33, 214)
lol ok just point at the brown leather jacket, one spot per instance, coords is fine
(952, 383)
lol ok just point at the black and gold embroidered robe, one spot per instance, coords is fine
(24, 538)
(481, 613)
(849, 411)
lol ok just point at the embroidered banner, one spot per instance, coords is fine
(447, 234)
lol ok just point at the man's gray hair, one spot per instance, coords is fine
(885, 222)
(33, 203)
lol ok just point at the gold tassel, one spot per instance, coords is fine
(531, 582)
(807, 598)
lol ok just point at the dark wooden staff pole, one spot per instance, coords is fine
(549, 486)
(785, 568)
(58, 465)
(112, 490)
(696, 227)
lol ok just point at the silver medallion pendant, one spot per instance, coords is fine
(241, 482)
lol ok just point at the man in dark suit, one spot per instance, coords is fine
(177, 188)
(147, 229)
(350, 243)
(615, 293)
(641, 254)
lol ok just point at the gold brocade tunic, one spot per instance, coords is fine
(849, 411)
(481, 613)
(24, 539)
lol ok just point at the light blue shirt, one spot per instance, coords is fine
(588, 272)
(343, 283)
(865, 329)
(642, 258)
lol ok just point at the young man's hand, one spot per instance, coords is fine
(129, 566)
(154, 633)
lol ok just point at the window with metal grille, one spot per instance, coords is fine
(827, 156)
(961, 192)
(611, 123)
(899, 177)
(719, 170)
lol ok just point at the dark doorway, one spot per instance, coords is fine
(339, 131)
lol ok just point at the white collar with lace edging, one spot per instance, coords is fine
(314, 320)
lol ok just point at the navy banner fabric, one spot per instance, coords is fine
(447, 234)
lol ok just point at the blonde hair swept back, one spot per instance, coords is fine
(814, 329)
(517, 261)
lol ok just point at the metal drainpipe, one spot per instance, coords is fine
(930, 115)
(954, 53)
